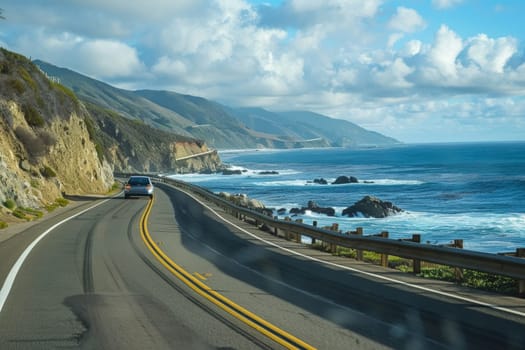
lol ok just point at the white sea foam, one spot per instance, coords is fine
(245, 173)
(481, 232)
(303, 182)
(391, 182)
(283, 183)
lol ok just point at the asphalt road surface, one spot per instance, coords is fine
(178, 273)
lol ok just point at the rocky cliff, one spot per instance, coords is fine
(133, 146)
(45, 146)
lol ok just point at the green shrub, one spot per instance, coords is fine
(47, 172)
(3, 224)
(33, 212)
(35, 183)
(90, 128)
(16, 85)
(116, 186)
(65, 91)
(10, 204)
(100, 151)
(34, 145)
(61, 201)
(4, 67)
(27, 214)
(21, 214)
(32, 117)
(50, 207)
(27, 78)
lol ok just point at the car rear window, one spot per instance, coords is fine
(138, 181)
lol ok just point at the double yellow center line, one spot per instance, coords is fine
(262, 326)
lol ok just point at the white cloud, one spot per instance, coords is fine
(339, 57)
(109, 59)
(406, 20)
(412, 48)
(491, 55)
(393, 39)
(443, 55)
(395, 74)
(103, 59)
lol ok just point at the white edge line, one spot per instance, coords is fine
(426, 289)
(10, 279)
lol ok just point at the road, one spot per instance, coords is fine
(135, 274)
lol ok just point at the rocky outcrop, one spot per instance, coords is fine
(231, 172)
(320, 181)
(370, 206)
(312, 206)
(243, 200)
(345, 180)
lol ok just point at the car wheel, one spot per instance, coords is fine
(126, 196)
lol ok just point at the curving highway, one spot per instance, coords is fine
(178, 273)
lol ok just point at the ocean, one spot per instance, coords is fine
(469, 191)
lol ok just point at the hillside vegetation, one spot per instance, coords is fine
(221, 126)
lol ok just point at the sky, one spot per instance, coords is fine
(415, 70)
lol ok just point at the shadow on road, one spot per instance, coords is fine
(392, 315)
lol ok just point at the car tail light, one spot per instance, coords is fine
(149, 187)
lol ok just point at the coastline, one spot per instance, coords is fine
(470, 191)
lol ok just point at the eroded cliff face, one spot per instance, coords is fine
(132, 146)
(45, 146)
(194, 157)
(67, 164)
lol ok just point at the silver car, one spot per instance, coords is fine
(138, 186)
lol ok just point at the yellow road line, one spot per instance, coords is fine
(262, 326)
(201, 277)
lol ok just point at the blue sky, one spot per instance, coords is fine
(417, 70)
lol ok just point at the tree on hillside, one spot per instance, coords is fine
(1, 17)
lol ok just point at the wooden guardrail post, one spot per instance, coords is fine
(314, 224)
(416, 263)
(458, 272)
(333, 247)
(384, 257)
(298, 235)
(520, 253)
(359, 252)
(286, 232)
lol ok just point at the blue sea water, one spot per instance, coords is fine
(469, 191)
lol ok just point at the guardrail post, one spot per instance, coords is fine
(384, 257)
(416, 263)
(286, 232)
(520, 253)
(458, 272)
(333, 247)
(359, 252)
(275, 230)
(298, 235)
(314, 224)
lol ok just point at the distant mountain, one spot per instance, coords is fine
(219, 126)
(127, 103)
(309, 125)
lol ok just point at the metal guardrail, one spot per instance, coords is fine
(503, 265)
